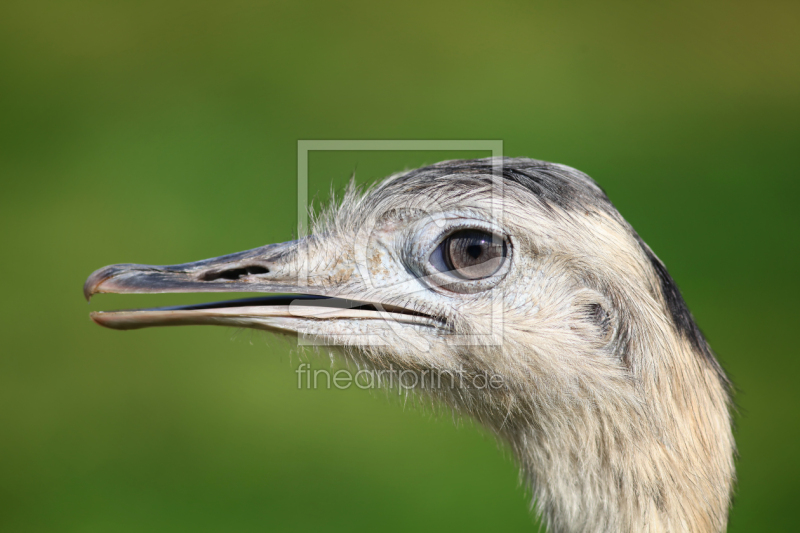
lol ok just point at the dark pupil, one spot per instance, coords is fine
(474, 250)
(474, 254)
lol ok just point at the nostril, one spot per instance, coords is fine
(233, 274)
(256, 270)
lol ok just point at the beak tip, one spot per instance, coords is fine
(94, 316)
(97, 318)
(96, 280)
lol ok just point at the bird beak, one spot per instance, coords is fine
(239, 272)
(274, 268)
(249, 271)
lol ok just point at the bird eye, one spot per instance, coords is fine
(473, 254)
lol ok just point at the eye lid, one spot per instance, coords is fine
(455, 224)
(421, 252)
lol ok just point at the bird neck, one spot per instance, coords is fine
(657, 459)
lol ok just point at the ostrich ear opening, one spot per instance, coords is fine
(598, 315)
(596, 319)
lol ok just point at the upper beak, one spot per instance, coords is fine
(250, 271)
(275, 268)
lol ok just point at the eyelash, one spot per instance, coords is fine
(462, 226)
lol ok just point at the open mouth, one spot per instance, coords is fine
(294, 307)
(236, 312)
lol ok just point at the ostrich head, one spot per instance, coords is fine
(520, 274)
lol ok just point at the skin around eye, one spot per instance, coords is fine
(473, 254)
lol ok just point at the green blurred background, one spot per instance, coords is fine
(162, 132)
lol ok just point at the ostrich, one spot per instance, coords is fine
(510, 268)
